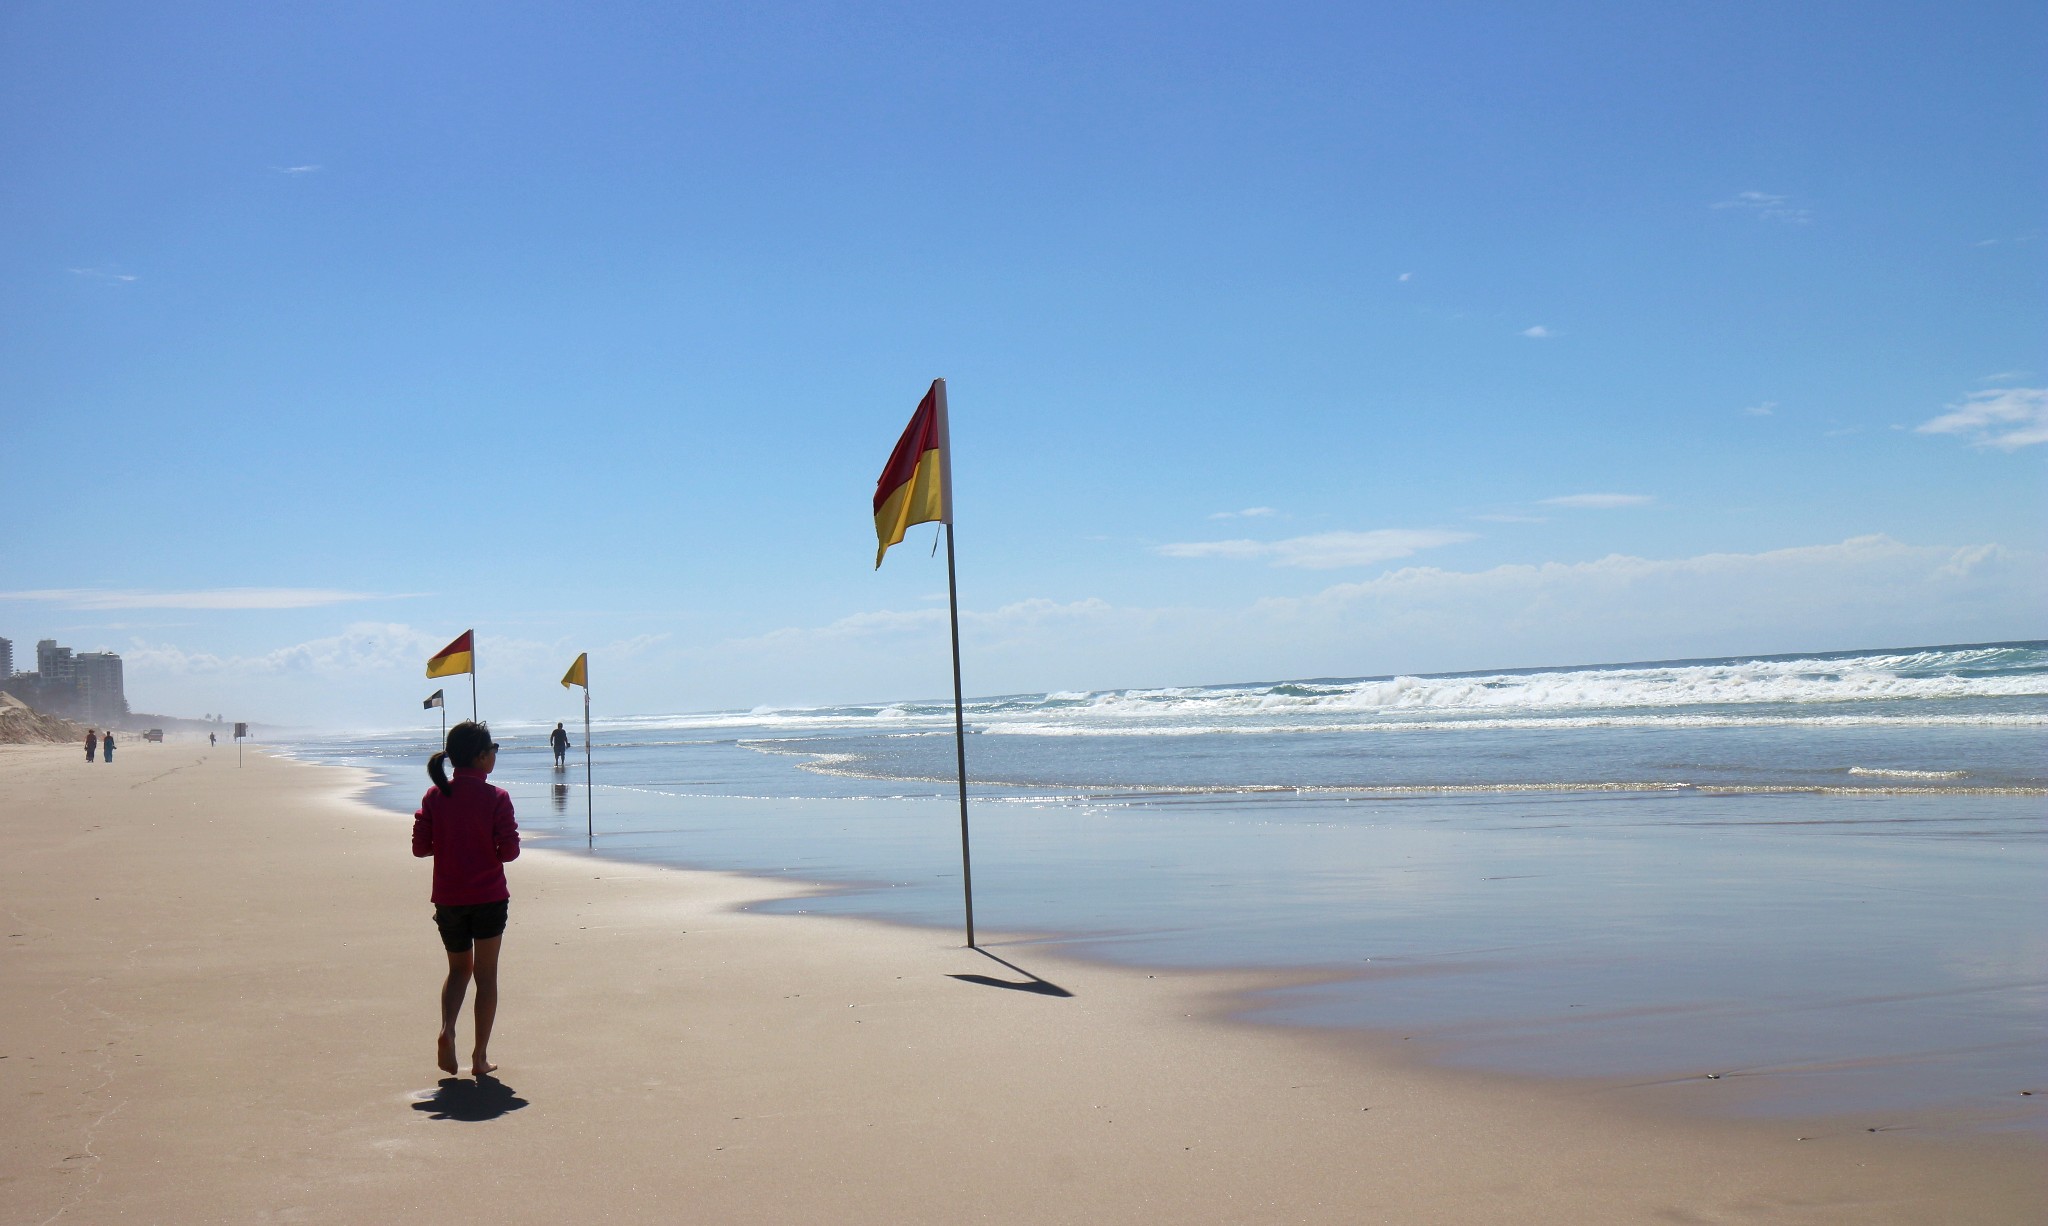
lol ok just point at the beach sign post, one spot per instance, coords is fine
(437, 699)
(916, 487)
(241, 731)
(457, 657)
(579, 674)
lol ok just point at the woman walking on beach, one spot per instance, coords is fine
(107, 746)
(467, 826)
(92, 742)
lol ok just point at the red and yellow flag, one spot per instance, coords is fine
(916, 486)
(457, 657)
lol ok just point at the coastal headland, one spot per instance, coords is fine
(218, 1005)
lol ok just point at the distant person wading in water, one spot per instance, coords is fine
(560, 741)
(467, 826)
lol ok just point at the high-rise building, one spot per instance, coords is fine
(55, 664)
(100, 692)
(6, 659)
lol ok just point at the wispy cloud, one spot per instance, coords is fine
(362, 649)
(2007, 418)
(215, 598)
(101, 274)
(1765, 409)
(1247, 513)
(1324, 550)
(1509, 517)
(1867, 589)
(1766, 207)
(1538, 333)
(1406, 276)
(627, 648)
(307, 169)
(1599, 502)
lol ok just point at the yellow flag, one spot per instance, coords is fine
(916, 486)
(579, 672)
(456, 658)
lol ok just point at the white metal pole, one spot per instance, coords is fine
(589, 810)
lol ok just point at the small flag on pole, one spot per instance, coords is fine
(457, 657)
(916, 486)
(433, 700)
(579, 674)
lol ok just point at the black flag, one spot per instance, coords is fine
(433, 700)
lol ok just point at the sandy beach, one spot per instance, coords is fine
(219, 1006)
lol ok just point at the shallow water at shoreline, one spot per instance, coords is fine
(1867, 953)
(1813, 883)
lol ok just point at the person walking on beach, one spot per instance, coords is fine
(560, 740)
(92, 742)
(467, 826)
(107, 746)
(210, 742)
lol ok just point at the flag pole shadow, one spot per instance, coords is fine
(1031, 983)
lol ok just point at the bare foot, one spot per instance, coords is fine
(480, 1067)
(444, 1054)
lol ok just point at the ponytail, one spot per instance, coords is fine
(467, 741)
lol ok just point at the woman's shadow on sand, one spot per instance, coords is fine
(456, 1098)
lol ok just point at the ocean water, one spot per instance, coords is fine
(1789, 884)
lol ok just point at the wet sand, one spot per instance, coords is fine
(218, 1005)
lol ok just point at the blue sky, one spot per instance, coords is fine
(1282, 340)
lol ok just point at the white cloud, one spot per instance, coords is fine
(1600, 502)
(1764, 409)
(216, 598)
(1324, 550)
(628, 648)
(1862, 592)
(1508, 517)
(2007, 418)
(363, 648)
(97, 274)
(1767, 207)
(1247, 513)
(1865, 591)
(1538, 333)
(1404, 276)
(371, 675)
(299, 170)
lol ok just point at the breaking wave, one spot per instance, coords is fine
(1905, 686)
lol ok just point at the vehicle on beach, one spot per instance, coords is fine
(154, 734)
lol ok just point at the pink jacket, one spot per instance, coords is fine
(471, 833)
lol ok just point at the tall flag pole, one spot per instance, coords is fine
(916, 487)
(458, 657)
(436, 699)
(579, 674)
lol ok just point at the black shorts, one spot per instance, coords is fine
(463, 926)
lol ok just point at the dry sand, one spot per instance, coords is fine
(218, 1004)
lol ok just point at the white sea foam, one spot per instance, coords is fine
(1890, 773)
(1540, 723)
(1910, 687)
